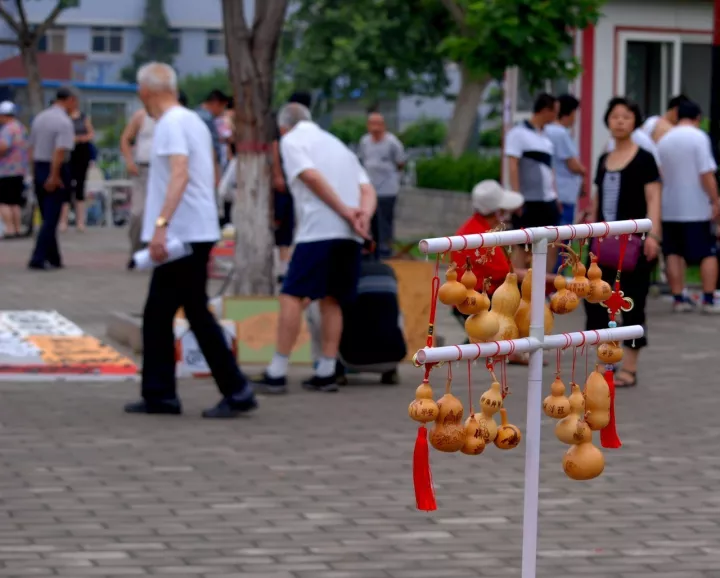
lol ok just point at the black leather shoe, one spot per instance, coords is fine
(263, 383)
(167, 407)
(325, 384)
(228, 408)
(38, 267)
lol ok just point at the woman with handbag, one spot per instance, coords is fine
(628, 186)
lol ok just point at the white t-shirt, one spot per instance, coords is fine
(534, 150)
(641, 139)
(649, 125)
(306, 147)
(686, 154)
(182, 132)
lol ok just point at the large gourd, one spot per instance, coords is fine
(483, 325)
(508, 435)
(579, 284)
(573, 429)
(556, 405)
(600, 290)
(452, 292)
(474, 436)
(448, 433)
(474, 301)
(522, 315)
(423, 408)
(505, 302)
(583, 461)
(597, 401)
(563, 300)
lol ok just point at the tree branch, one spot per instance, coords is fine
(9, 42)
(5, 15)
(23, 14)
(50, 20)
(456, 11)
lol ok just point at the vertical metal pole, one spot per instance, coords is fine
(715, 89)
(534, 402)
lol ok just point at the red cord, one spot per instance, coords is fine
(435, 288)
(624, 240)
(450, 370)
(572, 374)
(470, 388)
(558, 354)
(503, 377)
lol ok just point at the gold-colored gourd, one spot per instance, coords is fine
(474, 436)
(505, 302)
(597, 401)
(452, 292)
(557, 405)
(448, 433)
(423, 408)
(563, 301)
(522, 315)
(491, 402)
(600, 290)
(610, 352)
(583, 461)
(573, 429)
(483, 325)
(508, 435)
(579, 284)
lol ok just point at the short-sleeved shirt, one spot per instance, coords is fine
(14, 163)
(496, 266)
(307, 147)
(381, 159)
(650, 125)
(686, 154)
(51, 129)
(565, 148)
(641, 139)
(534, 150)
(182, 132)
(621, 194)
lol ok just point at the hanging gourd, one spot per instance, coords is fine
(522, 315)
(600, 291)
(610, 353)
(557, 405)
(452, 292)
(474, 436)
(508, 435)
(563, 300)
(474, 301)
(423, 408)
(448, 433)
(597, 401)
(505, 302)
(578, 284)
(573, 429)
(583, 461)
(482, 326)
(490, 403)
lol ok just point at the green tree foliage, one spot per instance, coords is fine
(157, 43)
(425, 132)
(349, 129)
(197, 86)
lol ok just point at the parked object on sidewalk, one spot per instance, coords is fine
(372, 339)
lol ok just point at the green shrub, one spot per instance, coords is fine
(425, 132)
(349, 129)
(491, 138)
(456, 174)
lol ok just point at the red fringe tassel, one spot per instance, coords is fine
(608, 436)
(422, 477)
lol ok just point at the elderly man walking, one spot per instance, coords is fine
(335, 202)
(52, 139)
(181, 206)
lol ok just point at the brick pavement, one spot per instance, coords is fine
(316, 486)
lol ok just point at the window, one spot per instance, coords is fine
(215, 45)
(106, 114)
(107, 40)
(176, 40)
(52, 41)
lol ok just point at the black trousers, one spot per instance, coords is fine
(183, 283)
(634, 284)
(47, 249)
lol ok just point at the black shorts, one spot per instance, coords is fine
(324, 269)
(538, 214)
(693, 241)
(284, 210)
(11, 191)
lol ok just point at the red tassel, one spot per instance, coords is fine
(608, 436)
(422, 477)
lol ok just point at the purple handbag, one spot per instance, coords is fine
(608, 252)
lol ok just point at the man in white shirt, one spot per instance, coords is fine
(657, 126)
(689, 207)
(180, 205)
(335, 203)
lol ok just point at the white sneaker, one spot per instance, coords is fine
(683, 307)
(710, 308)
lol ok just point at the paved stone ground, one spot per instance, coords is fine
(319, 486)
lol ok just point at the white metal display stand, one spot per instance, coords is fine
(538, 237)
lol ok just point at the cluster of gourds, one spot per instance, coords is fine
(450, 434)
(580, 414)
(568, 293)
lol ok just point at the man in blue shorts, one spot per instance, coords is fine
(335, 203)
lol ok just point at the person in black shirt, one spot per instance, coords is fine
(628, 187)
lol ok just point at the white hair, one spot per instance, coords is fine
(293, 113)
(157, 77)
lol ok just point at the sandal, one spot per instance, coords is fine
(632, 382)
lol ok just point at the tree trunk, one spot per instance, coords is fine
(251, 54)
(465, 111)
(34, 85)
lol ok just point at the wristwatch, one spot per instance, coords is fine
(161, 222)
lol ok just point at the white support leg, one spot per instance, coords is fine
(534, 403)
